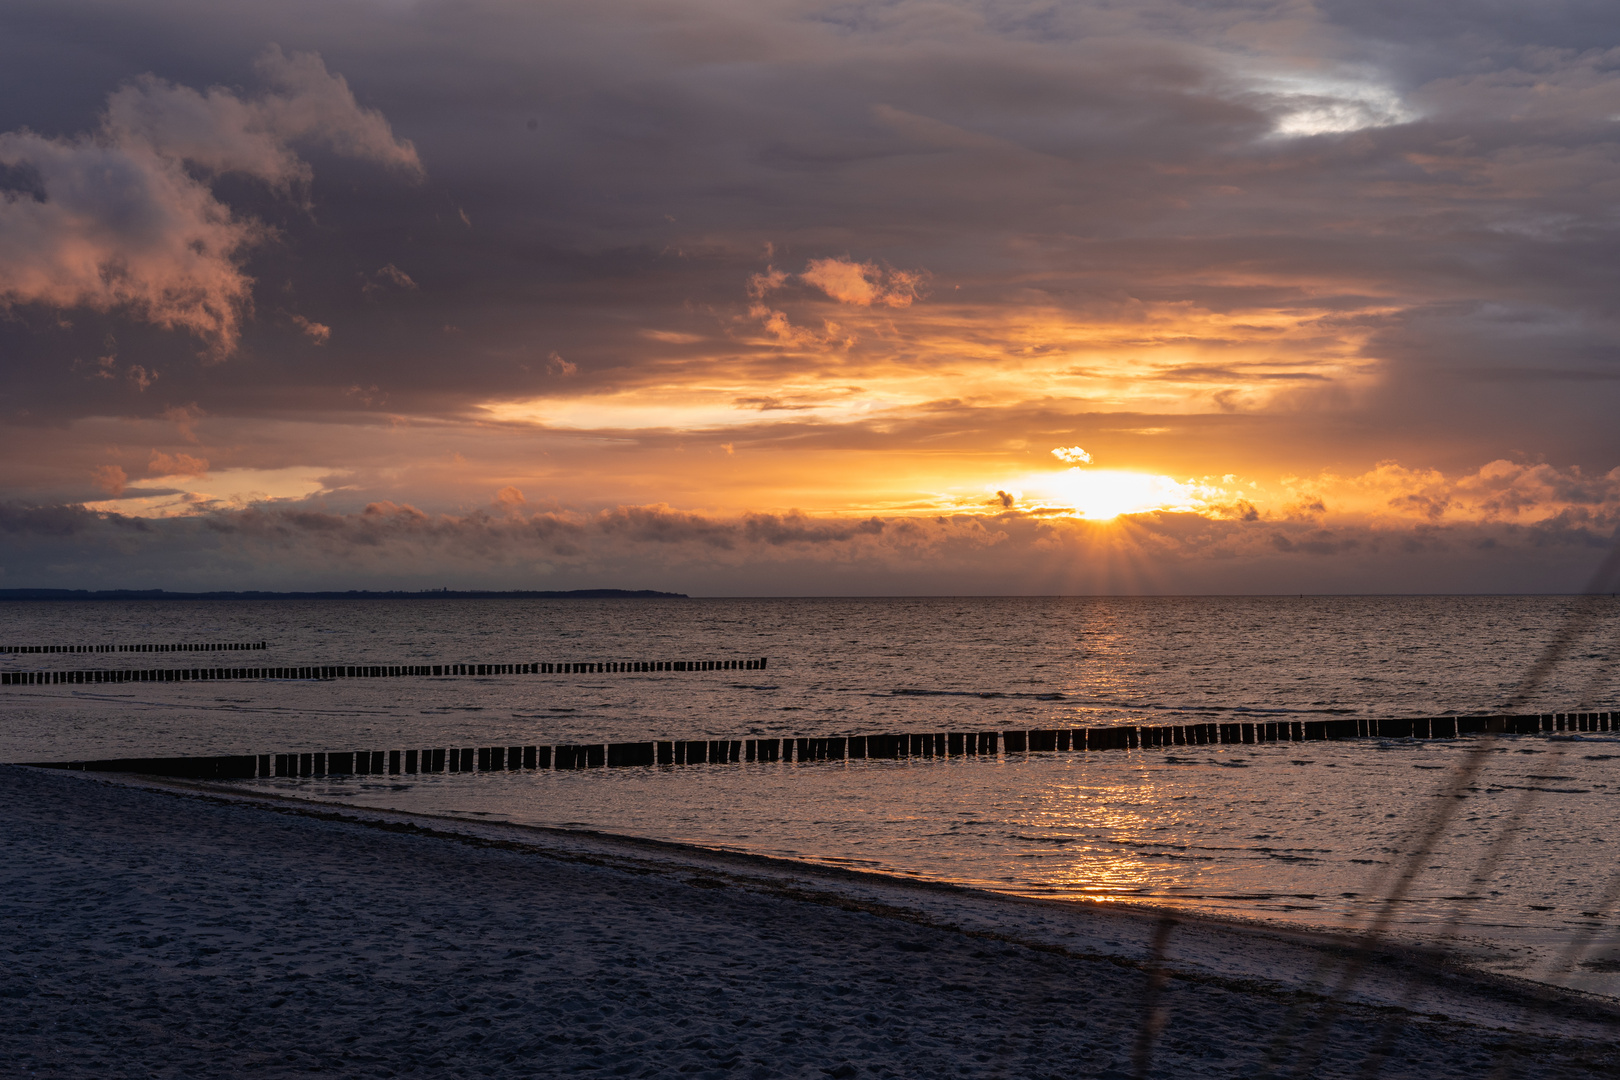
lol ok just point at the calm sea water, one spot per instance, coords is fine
(1301, 833)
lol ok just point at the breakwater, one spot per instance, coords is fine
(376, 671)
(795, 750)
(227, 646)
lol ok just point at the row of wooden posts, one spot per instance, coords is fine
(835, 748)
(223, 646)
(375, 671)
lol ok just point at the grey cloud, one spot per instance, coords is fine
(122, 220)
(661, 525)
(778, 530)
(394, 544)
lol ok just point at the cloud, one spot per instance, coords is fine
(184, 418)
(315, 104)
(863, 284)
(319, 333)
(769, 404)
(388, 544)
(110, 478)
(387, 278)
(124, 219)
(397, 276)
(1499, 491)
(1074, 455)
(769, 281)
(181, 465)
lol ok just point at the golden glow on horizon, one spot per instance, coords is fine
(179, 495)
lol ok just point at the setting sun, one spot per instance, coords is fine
(1100, 494)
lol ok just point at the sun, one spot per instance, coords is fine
(1101, 494)
(1105, 494)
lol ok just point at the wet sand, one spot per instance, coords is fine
(156, 929)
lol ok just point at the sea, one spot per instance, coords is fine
(1522, 876)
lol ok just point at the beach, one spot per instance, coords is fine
(166, 929)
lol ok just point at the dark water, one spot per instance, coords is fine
(1299, 833)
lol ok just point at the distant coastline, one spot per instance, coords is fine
(351, 594)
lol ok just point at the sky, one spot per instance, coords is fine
(796, 297)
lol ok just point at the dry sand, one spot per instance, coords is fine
(156, 929)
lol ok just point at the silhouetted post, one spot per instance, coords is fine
(622, 755)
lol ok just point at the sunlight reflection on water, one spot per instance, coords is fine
(1297, 833)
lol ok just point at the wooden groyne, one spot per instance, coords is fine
(227, 646)
(377, 671)
(794, 750)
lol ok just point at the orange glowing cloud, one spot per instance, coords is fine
(125, 219)
(863, 284)
(177, 465)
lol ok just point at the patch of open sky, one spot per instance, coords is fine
(1306, 105)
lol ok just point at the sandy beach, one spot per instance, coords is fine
(156, 929)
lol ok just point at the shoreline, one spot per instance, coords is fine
(862, 957)
(754, 870)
